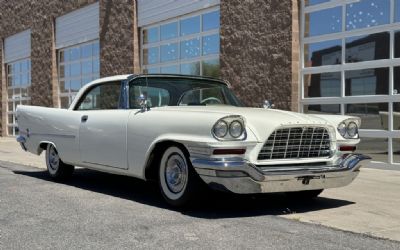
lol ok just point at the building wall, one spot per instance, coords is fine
(118, 41)
(256, 50)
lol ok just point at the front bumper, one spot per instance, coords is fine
(239, 176)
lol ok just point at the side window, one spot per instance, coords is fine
(156, 97)
(104, 96)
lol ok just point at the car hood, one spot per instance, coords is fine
(262, 122)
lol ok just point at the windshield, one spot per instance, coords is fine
(179, 91)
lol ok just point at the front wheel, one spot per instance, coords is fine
(178, 181)
(56, 168)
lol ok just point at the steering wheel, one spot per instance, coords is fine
(211, 100)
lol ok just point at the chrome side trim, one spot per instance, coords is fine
(53, 135)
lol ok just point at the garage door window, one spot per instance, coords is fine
(186, 45)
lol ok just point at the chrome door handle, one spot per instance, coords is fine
(84, 118)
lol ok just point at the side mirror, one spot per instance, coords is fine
(142, 101)
(268, 105)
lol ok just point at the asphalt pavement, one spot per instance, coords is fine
(102, 211)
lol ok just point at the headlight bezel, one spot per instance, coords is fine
(230, 136)
(343, 128)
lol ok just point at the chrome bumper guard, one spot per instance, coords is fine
(239, 176)
(22, 142)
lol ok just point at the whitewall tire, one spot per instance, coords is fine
(177, 179)
(56, 168)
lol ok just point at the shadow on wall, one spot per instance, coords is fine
(213, 205)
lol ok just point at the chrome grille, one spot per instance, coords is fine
(296, 142)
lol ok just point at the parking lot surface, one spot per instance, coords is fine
(101, 211)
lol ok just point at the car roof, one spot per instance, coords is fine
(132, 76)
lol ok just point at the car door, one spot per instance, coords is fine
(103, 128)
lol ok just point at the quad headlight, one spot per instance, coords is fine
(229, 128)
(348, 129)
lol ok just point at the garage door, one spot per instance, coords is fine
(153, 11)
(17, 46)
(79, 26)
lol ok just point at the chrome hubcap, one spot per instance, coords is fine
(176, 173)
(54, 159)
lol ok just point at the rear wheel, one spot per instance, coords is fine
(305, 195)
(178, 181)
(56, 168)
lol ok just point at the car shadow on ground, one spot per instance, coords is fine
(213, 205)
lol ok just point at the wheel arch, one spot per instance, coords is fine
(43, 146)
(155, 154)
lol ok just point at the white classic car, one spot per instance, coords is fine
(185, 131)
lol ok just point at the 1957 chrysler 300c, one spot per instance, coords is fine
(185, 131)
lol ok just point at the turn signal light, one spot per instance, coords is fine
(229, 151)
(348, 148)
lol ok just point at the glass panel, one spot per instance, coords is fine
(169, 31)
(74, 54)
(396, 78)
(396, 116)
(61, 56)
(9, 81)
(367, 82)
(313, 2)
(397, 44)
(86, 80)
(156, 97)
(397, 11)
(75, 85)
(16, 68)
(211, 20)
(367, 13)
(24, 66)
(368, 47)
(10, 118)
(323, 53)
(96, 66)
(190, 68)
(10, 93)
(190, 48)
(10, 131)
(322, 85)
(150, 35)
(373, 115)
(9, 69)
(211, 44)
(10, 106)
(24, 79)
(169, 52)
(322, 109)
(170, 69)
(150, 55)
(87, 67)
(152, 70)
(105, 96)
(75, 69)
(396, 150)
(190, 26)
(211, 68)
(62, 71)
(324, 22)
(96, 49)
(376, 148)
(86, 51)
(67, 70)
